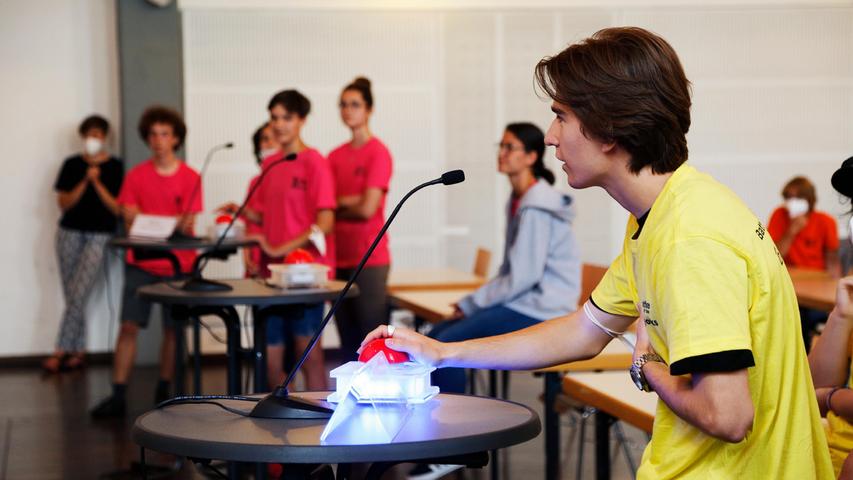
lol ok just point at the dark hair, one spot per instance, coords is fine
(96, 122)
(362, 86)
(842, 179)
(626, 86)
(256, 141)
(165, 115)
(805, 189)
(534, 141)
(292, 101)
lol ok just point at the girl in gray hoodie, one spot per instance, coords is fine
(540, 275)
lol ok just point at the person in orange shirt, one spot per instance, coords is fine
(806, 238)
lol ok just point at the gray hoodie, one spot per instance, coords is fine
(540, 274)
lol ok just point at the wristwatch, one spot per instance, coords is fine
(637, 370)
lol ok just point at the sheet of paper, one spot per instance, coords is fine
(157, 227)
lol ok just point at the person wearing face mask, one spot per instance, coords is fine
(295, 205)
(806, 238)
(362, 170)
(829, 360)
(87, 186)
(265, 145)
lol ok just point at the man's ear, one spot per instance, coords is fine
(609, 147)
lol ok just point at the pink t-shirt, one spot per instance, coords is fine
(289, 198)
(157, 194)
(356, 170)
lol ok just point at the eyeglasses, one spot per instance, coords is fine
(508, 147)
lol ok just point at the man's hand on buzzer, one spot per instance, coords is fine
(421, 348)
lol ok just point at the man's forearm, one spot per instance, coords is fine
(551, 342)
(828, 360)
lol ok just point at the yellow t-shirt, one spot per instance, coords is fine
(709, 279)
(839, 434)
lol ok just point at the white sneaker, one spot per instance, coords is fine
(431, 471)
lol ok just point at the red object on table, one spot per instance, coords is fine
(299, 256)
(378, 346)
(223, 219)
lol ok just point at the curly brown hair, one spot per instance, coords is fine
(164, 115)
(626, 86)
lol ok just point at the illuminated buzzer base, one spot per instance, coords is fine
(392, 383)
(298, 275)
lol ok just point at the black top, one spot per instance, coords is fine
(89, 213)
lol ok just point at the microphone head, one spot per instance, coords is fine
(452, 177)
(229, 145)
(290, 157)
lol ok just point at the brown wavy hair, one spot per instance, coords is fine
(626, 86)
(164, 115)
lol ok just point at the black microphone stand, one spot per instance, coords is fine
(196, 282)
(279, 403)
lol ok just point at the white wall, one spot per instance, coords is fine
(58, 60)
(772, 82)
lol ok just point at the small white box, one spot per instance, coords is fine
(407, 382)
(298, 275)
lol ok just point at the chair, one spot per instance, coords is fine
(481, 262)
(591, 275)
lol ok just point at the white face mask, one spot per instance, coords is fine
(92, 145)
(267, 152)
(797, 206)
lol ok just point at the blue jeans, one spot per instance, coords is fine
(303, 326)
(484, 323)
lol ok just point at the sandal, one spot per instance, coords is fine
(53, 364)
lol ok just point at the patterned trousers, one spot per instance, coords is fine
(81, 256)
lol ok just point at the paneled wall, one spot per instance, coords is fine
(773, 97)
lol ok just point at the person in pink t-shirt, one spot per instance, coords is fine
(362, 169)
(295, 201)
(161, 185)
(265, 145)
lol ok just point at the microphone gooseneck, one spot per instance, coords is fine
(278, 404)
(207, 158)
(202, 260)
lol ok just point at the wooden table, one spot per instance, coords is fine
(615, 397)
(431, 306)
(432, 279)
(815, 288)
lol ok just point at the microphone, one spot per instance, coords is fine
(453, 177)
(197, 283)
(279, 403)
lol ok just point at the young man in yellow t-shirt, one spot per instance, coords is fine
(719, 337)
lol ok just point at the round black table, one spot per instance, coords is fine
(449, 425)
(264, 299)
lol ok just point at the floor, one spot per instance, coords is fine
(46, 433)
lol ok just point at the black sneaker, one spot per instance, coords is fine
(110, 407)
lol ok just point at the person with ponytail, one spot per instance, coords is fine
(540, 275)
(362, 171)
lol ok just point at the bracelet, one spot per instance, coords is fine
(829, 398)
